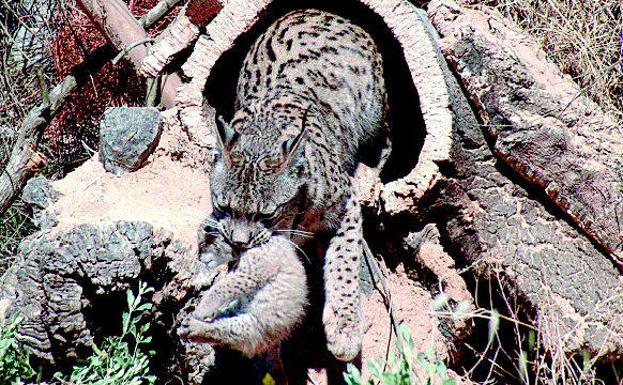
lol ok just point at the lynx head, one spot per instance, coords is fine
(256, 178)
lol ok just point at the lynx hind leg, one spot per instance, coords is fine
(342, 313)
(242, 333)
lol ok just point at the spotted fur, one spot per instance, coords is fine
(310, 94)
(256, 304)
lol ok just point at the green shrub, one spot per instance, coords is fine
(120, 360)
(399, 370)
(14, 359)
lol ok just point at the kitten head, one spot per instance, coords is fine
(257, 175)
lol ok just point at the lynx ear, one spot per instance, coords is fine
(290, 145)
(225, 133)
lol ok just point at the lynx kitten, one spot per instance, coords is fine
(257, 303)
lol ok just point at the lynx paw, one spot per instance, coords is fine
(344, 334)
(194, 330)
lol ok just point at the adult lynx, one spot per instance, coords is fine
(310, 94)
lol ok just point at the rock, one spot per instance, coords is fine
(128, 135)
(39, 193)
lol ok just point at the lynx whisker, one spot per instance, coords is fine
(299, 249)
(260, 238)
(297, 232)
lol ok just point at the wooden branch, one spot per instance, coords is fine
(161, 9)
(180, 34)
(20, 168)
(108, 16)
(17, 171)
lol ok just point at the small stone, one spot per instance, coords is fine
(39, 193)
(128, 135)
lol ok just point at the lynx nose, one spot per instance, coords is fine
(240, 238)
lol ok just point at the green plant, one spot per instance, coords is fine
(399, 370)
(123, 359)
(15, 224)
(14, 358)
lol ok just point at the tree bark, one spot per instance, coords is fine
(538, 120)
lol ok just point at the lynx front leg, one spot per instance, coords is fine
(241, 333)
(342, 313)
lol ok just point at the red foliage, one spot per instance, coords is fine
(113, 85)
(200, 12)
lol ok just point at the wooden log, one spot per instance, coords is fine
(540, 122)
(570, 290)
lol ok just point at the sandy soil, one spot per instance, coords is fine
(168, 192)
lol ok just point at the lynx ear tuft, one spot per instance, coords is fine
(226, 134)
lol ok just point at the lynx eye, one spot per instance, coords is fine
(266, 218)
(270, 163)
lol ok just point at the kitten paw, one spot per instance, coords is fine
(194, 330)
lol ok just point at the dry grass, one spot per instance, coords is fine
(519, 350)
(15, 224)
(583, 37)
